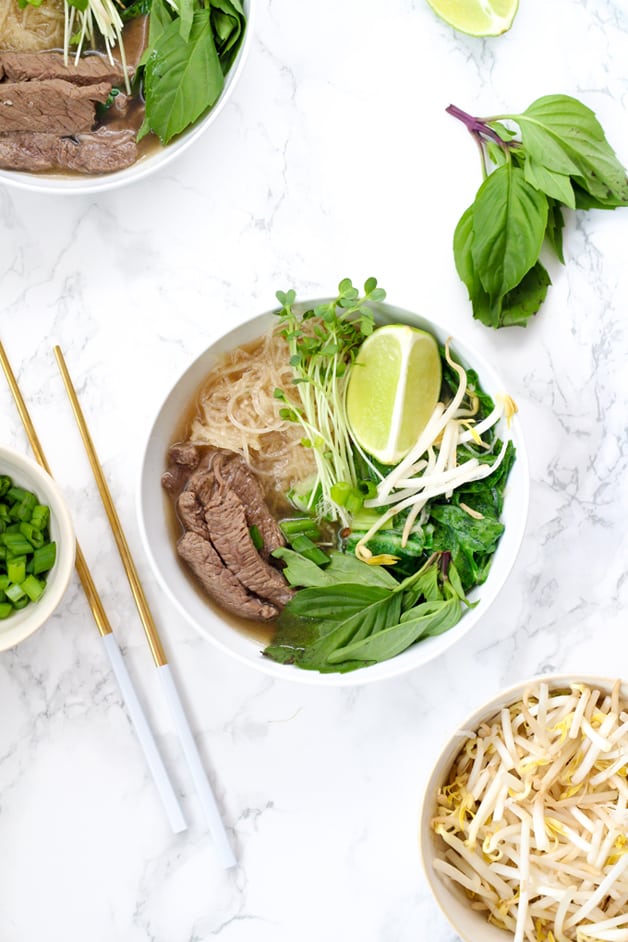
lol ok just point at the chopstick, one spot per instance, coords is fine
(181, 723)
(129, 694)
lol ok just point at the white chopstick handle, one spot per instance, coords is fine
(199, 777)
(145, 736)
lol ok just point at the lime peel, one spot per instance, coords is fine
(392, 390)
(477, 17)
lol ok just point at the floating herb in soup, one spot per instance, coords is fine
(356, 528)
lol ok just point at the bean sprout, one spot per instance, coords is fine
(532, 820)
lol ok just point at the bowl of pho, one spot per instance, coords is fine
(335, 491)
(100, 93)
(523, 822)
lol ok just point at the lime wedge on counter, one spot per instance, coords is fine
(393, 387)
(477, 17)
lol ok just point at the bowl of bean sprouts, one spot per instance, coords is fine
(524, 824)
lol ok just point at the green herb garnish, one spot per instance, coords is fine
(559, 158)
(323, 342)
(190, 50)
(349, 614)
(26, 552)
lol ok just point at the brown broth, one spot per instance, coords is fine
(260, 632)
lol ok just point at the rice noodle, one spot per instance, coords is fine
(32, 29)
(237, 409)
(549, 861)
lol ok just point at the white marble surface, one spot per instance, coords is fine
(335, 157)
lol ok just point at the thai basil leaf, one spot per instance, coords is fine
(228, 20)
(463, 255)
(566, 137)
(186, 18)
(370, 619)
(130, 11)
(556, 185)
(483, 309)
(335, 603)
(555, 226)
(342, 567)
(182, 79)
(345, 567)
(525, 299)
(509, 220)
(429, 618)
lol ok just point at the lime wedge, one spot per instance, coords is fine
(393, 387)
(477, 17)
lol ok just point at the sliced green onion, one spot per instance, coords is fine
(26, 552)
(44, 558)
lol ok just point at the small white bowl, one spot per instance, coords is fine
(472, 926)
(159, 544)
(87, 184)
(26, 473)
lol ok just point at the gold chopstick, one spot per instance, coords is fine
(152, 635)
(136, 712)
(95, 603)
(188, 744)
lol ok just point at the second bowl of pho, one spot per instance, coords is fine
(335, 491)
(102, 94)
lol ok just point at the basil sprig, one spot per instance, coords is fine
(559, 158)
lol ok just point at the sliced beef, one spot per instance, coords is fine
(53, 106)
(191, 513)
(37, 66)
(219, 582)
(183, 458)
(218, 500)
(98, 151)
(232, 470)
(228, 531)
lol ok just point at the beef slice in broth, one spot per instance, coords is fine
(217, 498)
(53, 106)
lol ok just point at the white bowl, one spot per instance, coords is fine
(86, 184)
(26, 473)
(472, 926)
(159, 545)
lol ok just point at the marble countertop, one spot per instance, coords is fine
(334, 158)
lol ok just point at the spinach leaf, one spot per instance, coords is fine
(470, 541)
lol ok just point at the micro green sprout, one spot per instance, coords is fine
(323, 342)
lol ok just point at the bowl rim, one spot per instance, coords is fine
(35, 615)
(440, 891)
(86, 184)
(394, 666)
